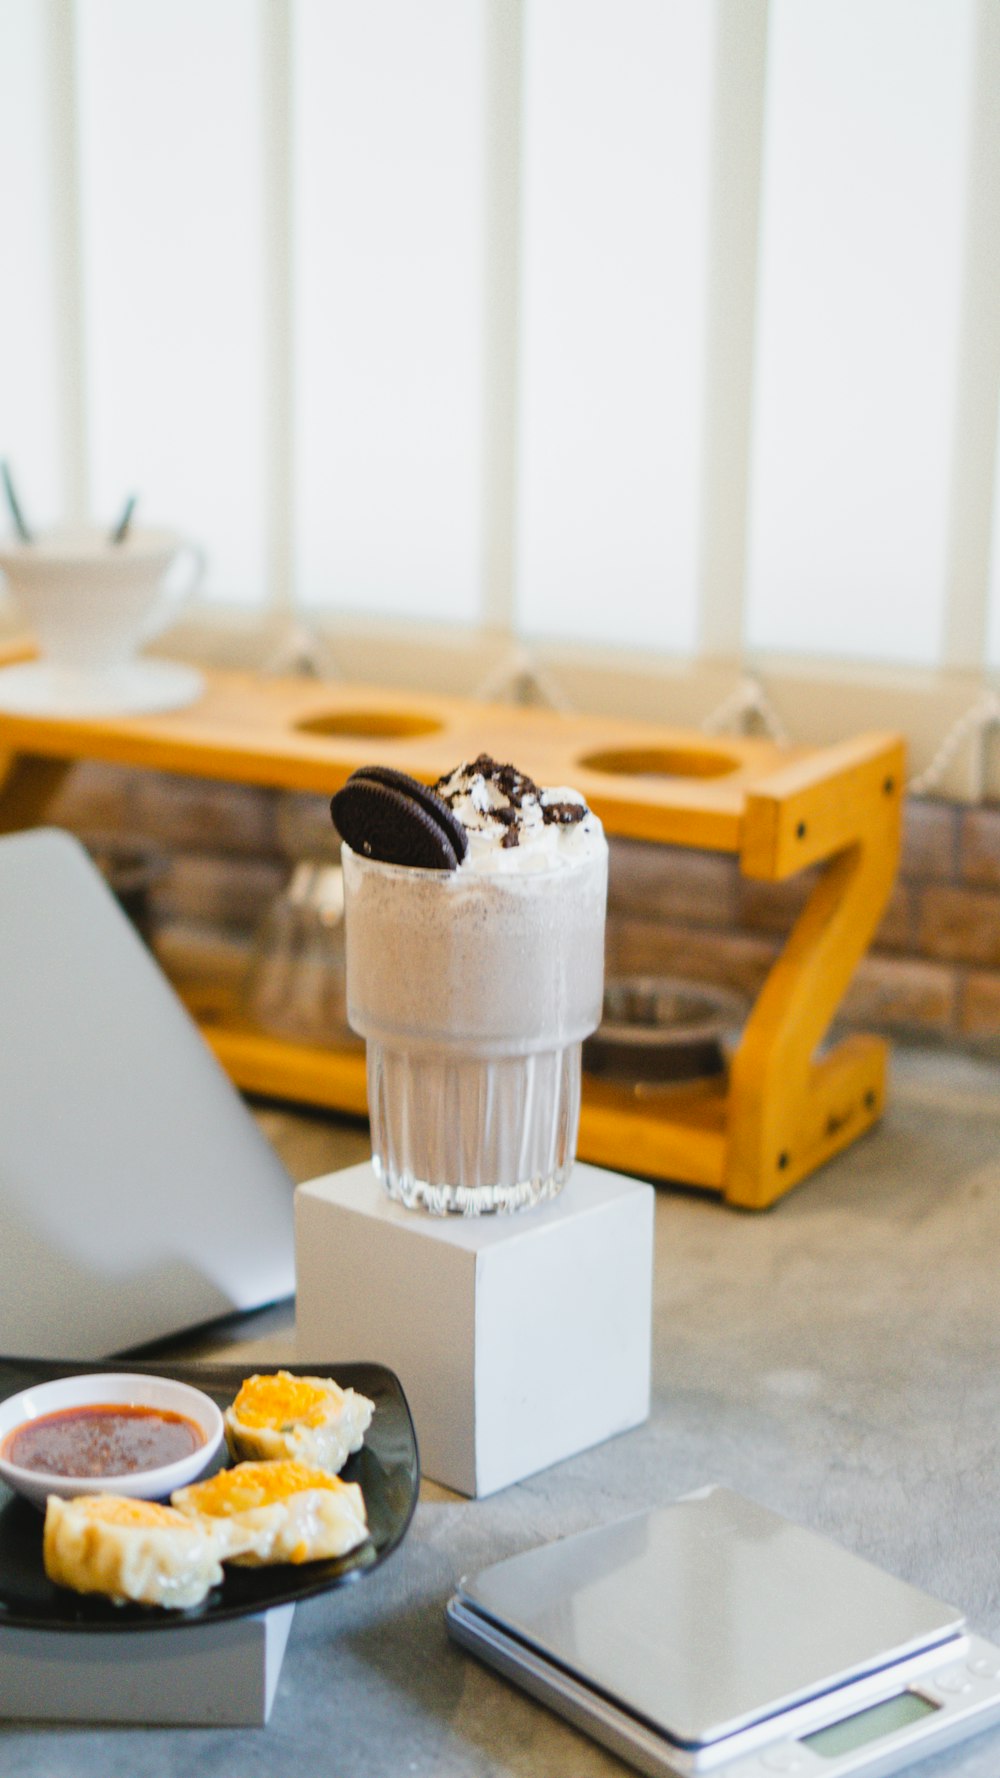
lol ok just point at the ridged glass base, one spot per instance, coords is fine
(470, 1136)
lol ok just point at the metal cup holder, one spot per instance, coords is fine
(658, 1030)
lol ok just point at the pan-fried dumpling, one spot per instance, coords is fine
(278, 1512)
(308, 1418)
(129, 1550)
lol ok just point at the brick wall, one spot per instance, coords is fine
(218, 849)
(933, 971)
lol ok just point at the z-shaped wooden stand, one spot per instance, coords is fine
(784, 1108)
(790, 1109)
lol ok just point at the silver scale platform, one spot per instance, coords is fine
(712, 1636)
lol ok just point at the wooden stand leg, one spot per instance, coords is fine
(28, 783)
(787, 1111)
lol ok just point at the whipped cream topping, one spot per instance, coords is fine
(514, 826)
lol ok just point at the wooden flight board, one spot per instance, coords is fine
(781, 1110)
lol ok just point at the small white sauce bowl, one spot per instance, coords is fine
(126, 1389)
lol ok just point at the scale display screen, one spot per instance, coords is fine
(869, 1725)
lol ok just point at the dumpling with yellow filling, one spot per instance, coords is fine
(129, 1550)
(308, 1418)
(281, 1511)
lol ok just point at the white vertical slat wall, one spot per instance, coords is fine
(30, 391)
(389, 304)
(661, 323)
(993, 630)
(863, 208)
(614, 287)
(171, 181)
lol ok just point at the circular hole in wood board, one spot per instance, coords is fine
(377, 725)
(661, 762)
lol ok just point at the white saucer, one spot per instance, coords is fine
(140, 687)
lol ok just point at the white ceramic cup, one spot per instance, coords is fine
(92, 604)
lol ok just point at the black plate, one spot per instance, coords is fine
(387, 1468)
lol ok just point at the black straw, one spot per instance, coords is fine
(20, 524)
(120, 531)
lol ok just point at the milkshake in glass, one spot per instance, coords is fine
(474, 987)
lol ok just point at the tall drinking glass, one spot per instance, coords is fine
(474, 992)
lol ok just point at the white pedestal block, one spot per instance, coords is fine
(519, 1340)
(213, 1675)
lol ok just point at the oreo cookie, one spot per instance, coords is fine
(429, 801)
(385, 814)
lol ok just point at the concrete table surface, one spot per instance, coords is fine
(837, 1358)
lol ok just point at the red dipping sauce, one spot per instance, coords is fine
(102, 1440)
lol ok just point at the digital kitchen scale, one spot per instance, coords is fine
(712, 1636)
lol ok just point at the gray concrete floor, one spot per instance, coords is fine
(836, 1358)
